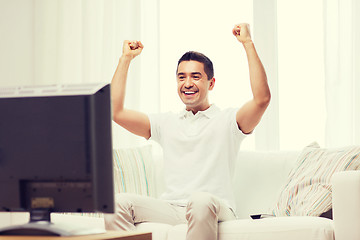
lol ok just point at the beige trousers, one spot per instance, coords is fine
(202, 214)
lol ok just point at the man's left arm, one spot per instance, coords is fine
(249, 115)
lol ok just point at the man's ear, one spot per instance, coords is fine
(212, 83)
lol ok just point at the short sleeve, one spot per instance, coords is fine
(158, 124)
(233, 123)
(155, 123)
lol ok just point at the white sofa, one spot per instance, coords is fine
(259, 176)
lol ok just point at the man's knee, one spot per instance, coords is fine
(202, 205)
(123, 212)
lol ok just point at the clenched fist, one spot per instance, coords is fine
(242, 32)
(132, 48)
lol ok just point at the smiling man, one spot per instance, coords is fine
(200, 144)
(194, 82)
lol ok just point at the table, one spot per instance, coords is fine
(110, 235)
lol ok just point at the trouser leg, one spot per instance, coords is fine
(203, 213)
(131, 209)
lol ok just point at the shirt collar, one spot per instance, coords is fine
(209, 113)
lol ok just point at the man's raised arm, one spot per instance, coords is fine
(135, 122)
(250, 114)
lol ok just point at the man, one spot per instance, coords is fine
(200, 144)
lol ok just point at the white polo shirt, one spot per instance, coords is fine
(199, 152)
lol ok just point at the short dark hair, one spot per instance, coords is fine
(199, 57)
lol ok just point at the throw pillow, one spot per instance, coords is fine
(134, 171)
(308, 190)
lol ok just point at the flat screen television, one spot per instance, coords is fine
(55, 154)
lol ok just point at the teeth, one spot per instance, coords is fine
(189, 92)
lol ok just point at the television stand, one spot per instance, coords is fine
(110, 235)
(40, 225)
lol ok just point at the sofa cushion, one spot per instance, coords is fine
(308, 189)
(134, 171)
(276, 228)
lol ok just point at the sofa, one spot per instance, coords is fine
(259, 181)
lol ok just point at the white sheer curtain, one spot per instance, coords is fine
(342, 71)
(267, 135)
(16, 42)
(80, 41)
(304, 115)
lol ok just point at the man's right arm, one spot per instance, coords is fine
(135, 122)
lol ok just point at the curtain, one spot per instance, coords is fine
(342, 71)
(267, 133)
(80, 41)
(75, 41)
(16, 42)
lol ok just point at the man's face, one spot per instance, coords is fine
(193, 85)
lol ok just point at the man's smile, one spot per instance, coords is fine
(189, 92)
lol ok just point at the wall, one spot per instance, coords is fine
(16, 42)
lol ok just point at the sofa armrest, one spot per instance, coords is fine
(346, 205)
